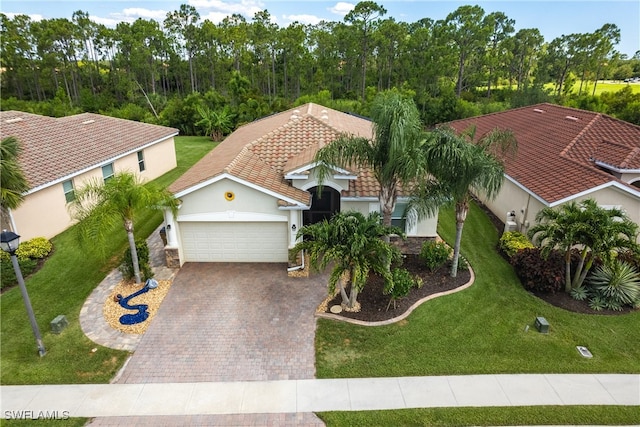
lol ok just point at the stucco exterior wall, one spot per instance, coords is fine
(45, 213)
(212, 199)
(158, 159)
(526, 207)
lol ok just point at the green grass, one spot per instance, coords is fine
(480, 330)
(61, 287)
(609, 86)
(528, 415)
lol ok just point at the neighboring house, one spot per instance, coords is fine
(564, 154)
(246, 200)
(60, 154)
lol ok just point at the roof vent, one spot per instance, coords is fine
(324, 117)
(572, 118)
(15, 120)
(294, 117)
(88, 122)
(538, 110)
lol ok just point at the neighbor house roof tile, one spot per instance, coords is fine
(558, 146)
(54, 148)
(263, 151)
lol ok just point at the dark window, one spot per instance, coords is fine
(107, 172)
(141, 161)
(69, 191)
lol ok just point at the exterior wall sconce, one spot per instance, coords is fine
(293, 227)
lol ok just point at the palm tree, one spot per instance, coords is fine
(458, 167)
(352, 244)
(599, 232)
(215, 123)
(99, 207)
(13, 184)
(393, 155)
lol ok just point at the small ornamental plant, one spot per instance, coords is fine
(434, 254)
(513, 241)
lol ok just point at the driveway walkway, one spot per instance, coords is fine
(230, 322)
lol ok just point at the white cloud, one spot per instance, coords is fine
(215, 17)
(303, 19)
(342, 8)
(137, 12)
(247, 8)
(34, 17)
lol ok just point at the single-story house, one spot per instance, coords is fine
(246, 200)
(564, 154)
(60, 154)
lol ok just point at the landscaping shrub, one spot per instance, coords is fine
(434, 254)
(126, 268)
(617, 284)
(402, 283)
(8, 275)
(631, 258)
(513, 241)
(36, 248)
(538, 274)
(463, 264)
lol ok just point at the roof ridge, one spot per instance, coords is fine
(634, 152)
(584, 130)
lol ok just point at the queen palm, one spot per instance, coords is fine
(99, 207)
(13, 183)
(393, 154)
(458, 167)
(352, 244)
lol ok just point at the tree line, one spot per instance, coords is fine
(471, 62)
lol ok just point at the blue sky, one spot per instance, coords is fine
(552, 18)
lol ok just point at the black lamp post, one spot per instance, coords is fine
(9, 242)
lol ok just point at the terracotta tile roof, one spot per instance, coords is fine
(557, 147)
(55, 148)
(263, 151)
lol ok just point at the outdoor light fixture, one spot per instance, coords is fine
(9, 242)
(293, 227)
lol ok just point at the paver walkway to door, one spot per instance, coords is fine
(230, 322)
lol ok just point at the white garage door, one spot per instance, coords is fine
(234, 241)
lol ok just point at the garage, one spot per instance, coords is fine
(234, 241)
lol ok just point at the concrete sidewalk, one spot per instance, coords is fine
(314, 395)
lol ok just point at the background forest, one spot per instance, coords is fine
(205, 78)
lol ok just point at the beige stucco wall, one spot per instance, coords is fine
(212, 199)
(526, 207)
(158, 159)
(45, 214)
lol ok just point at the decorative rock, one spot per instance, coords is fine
(336, 309)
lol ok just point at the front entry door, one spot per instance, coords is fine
(323, 205)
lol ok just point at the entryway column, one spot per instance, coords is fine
(170, 229)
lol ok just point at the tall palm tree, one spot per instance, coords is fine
(13, 183)
(352, 244)
(599, 232)
(99, 207)
(393, 154)
(458, 168)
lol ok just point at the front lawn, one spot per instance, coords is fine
(61, 287)
(481, 330)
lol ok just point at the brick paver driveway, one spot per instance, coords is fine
(231, 322)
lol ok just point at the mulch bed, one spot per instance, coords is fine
(565, 301)
(374, 303)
